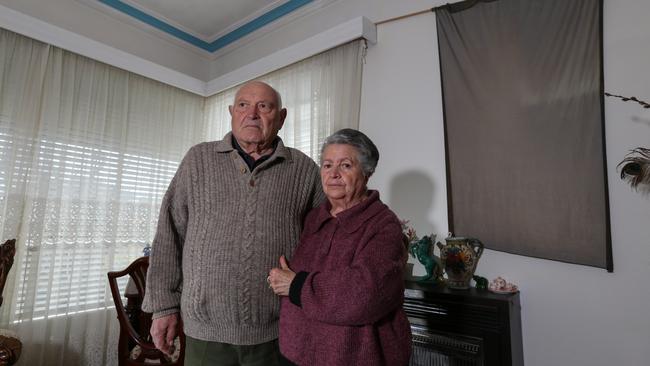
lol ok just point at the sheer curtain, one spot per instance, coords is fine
(86, 154)
(87, 151)
(322, 94)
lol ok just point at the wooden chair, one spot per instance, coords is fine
(135, 346)
(10, 345)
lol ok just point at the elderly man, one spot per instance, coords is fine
(233, 207)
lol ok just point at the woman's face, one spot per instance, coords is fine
(341, 174)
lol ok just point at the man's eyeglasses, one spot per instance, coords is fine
(263, 107)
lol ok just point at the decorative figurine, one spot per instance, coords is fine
(500, 286)
(146, 251)
(481, 282)
(421, 249)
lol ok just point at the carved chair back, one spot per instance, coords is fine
(135, 346)
(7, 253)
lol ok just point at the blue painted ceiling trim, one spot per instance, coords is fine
(219, 43)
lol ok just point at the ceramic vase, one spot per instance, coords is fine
(459, 257)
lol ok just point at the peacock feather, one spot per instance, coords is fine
(635, 168)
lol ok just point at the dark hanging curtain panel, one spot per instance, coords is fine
(522, 87)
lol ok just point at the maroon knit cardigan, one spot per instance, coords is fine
(345, 304)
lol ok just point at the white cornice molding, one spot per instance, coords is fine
(29, 26)
(267, 8)
(356, 28)
(271, 27)
(133, 22)
(45, 32)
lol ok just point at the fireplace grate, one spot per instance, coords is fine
(444, 349)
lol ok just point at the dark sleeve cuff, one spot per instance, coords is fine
(296, 288)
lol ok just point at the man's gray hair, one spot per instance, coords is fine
(368, 154)
(278, 97)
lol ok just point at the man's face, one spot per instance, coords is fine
(256, 118)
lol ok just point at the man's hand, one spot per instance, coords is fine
(280, 278)
(163, 332)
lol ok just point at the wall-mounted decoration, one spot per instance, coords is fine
(524, 127)
(635, 169)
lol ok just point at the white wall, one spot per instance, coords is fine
(329, 16)
(571, 314)
(401, 111)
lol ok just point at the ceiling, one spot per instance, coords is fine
(205, 24)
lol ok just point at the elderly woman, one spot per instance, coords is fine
(343, 291)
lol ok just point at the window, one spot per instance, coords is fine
(86, 230)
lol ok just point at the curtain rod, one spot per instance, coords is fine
(405, 16)
(453, 8)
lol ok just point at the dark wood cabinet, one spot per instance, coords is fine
(463, 327)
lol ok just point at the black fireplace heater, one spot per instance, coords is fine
(463, 327)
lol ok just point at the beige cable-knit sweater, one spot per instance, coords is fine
(221, 228)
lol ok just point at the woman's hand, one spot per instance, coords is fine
(279, 279)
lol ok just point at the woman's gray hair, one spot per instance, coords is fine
(368, 154)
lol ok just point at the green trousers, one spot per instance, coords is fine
(205, 353)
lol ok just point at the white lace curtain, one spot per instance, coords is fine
(86, 153)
